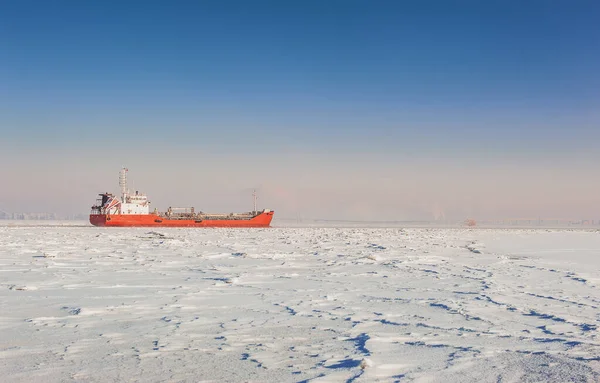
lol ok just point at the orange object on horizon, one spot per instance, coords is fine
(133, 210)
(262, 219)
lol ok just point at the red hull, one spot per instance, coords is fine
(152, 220)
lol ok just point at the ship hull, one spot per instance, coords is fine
(152, 220)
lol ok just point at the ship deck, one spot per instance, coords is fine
(208, 217)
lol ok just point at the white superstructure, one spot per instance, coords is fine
(132, 203)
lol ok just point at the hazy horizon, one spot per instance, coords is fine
(338, 110)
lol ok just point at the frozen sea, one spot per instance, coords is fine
(304, 304)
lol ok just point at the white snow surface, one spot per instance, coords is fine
(86, 304)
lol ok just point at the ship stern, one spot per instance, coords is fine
(98, 219)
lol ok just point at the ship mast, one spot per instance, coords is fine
(123, 183)
(254, 195)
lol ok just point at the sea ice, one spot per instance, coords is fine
(298, 304)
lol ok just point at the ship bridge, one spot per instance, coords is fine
(135, 204)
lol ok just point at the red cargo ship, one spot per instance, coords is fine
(133, 210)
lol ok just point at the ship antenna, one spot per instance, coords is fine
(254, 195)
(123, 183)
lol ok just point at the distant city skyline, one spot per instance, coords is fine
(332, 110)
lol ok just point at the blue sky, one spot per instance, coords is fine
(358, 87)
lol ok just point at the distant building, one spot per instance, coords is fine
(28, 216)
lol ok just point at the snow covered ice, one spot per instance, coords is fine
(81, 303)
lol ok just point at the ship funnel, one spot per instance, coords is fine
(123, 183)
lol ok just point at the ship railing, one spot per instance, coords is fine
(96, 210)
